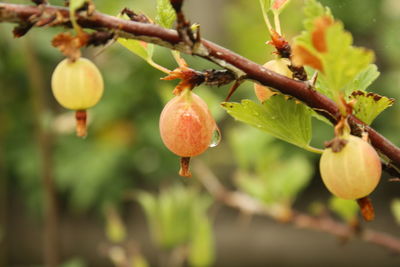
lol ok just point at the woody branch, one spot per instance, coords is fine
(46, 15)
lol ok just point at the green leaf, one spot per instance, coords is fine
(346, 209)
(343, 62)
(327, 47)
(395, 207)
(284, 118)
(141, 49)
(76, 4)
(165, 13)
(363, 79)
(369, 105)
(313, 10)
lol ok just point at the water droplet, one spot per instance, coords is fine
(216, 137)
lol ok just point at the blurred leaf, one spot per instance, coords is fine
(76, 4)
(75, 262)
(395, 207)
(276, 181)
(115, 228)
(201, 249)
(312, 10)
(369, 105)
(265, 172)
(247, 153)
(346, 209)
(165, 13)
(172, 215)
(284, 118)
(139, 261)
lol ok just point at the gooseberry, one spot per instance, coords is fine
(77, 85)
(354, 171)
(186, 125)
(279, 66)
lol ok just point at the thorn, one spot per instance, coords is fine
(314, 78)
(235, 86)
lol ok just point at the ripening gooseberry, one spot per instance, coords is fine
(77, 85)
(353, 172)
(279, 66)
(186, 125)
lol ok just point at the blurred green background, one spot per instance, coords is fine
(100, 179)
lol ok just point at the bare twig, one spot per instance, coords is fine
(242, 67)
(249, 205)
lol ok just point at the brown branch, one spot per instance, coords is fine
(248, 205)
(242, 67)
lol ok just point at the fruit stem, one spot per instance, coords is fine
(178, 58)
(265, 16)
(157, 66)
(81, 116)
(185, 171)
(277, 23)
(314, 149)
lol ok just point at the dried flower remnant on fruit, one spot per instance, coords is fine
(186, 126)
(354, 171)
(77, 85)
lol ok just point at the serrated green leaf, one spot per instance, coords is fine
(165, 13)
(76, 4)
(283, 118)
(327, 47)
(346, 209)
(363, 80)
(395, 207)
(343, 62)
(369, 105)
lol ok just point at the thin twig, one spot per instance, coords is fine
(251, 206)
(27, 15)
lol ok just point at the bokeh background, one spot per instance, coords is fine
(104, 182)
